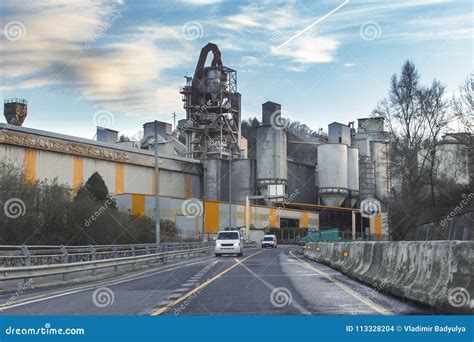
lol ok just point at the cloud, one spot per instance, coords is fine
(66, 44)
(307, 49)
(249, 61)
(268, 18)
(201, 2)
(349, 65)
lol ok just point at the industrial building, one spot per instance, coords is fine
(207, 179)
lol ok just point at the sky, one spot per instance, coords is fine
(119, 64)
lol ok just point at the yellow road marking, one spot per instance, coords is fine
(354, 294)
(203, 285)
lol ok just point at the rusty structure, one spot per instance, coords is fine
(15, 111)
(213, 110)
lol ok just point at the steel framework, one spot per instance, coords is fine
(213, 113)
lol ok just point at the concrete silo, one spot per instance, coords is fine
(332, 173)
(272, 173)
(353, 174)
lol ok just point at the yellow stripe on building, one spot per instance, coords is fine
(378, 224)
(273, 218)
(304, 222)
(187, 186)
(211, 217)
(138, 205)
(30, 165)
(119, 178)
(77, 174)
(153, 182)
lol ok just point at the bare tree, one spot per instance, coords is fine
(416, 117)
(437, 117)
(463, 105)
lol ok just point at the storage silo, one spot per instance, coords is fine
(272, 173)
(367, 178)
(381, 173)
(332, 173)
(353, 174)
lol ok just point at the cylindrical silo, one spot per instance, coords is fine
(380, 157)
(332, 173)
(271, 156)
(367, 178)
(272, 173)
(353, 174)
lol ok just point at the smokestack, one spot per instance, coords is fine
(271, 113)
(15, 111)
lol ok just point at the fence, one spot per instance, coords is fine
(23, 256)
(451, 227)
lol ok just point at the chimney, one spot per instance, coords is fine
(15, 111)
(271, 112)
(107, 135)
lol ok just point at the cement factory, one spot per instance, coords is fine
(210, 182)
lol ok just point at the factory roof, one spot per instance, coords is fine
(119, 147)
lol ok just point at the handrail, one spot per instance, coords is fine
(21, 256)
(26, 272)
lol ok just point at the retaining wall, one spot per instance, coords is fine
(436, 273)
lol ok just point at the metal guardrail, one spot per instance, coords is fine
(26, 272)
(25, 256)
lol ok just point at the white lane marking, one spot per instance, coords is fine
(346, 288)
(107, 283)
(175, 295)
(181, 289)
(202, 286)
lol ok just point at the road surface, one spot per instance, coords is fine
(262, 282)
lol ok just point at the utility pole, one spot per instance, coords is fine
(157, 189)
(174, 121)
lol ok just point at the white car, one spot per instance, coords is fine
(269, 241)
(229, 242)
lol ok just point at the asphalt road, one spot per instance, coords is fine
(262, 282)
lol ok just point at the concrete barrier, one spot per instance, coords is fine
(435, 273)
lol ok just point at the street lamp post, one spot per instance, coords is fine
(230, 187)
(157, 189)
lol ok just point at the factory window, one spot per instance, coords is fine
(289, 223)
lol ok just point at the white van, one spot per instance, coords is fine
(269, 241)
(229, 242)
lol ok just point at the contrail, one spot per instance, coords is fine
(313, 24)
